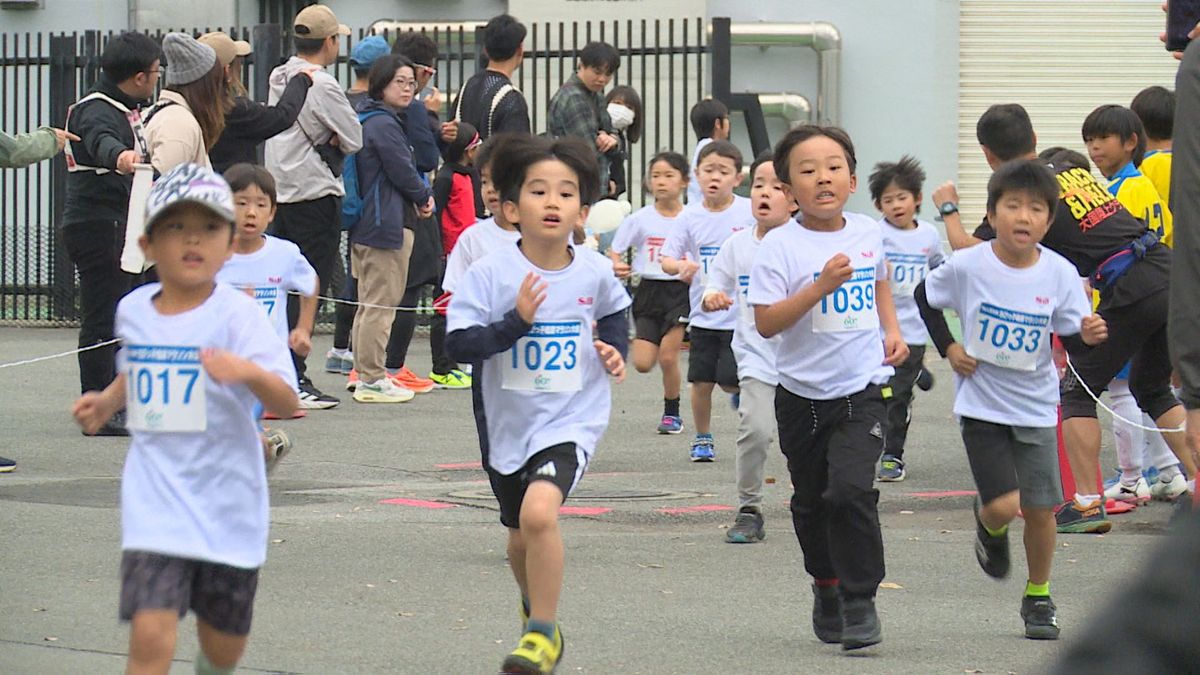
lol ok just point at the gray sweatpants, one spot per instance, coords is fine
(756, 428)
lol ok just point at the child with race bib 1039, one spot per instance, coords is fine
(1010, 295)
(822, 287)
(526, 314)
(198, 359)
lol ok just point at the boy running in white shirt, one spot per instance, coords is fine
(198, 359)
(525, 314)
(1010, 294)
(661, 304)
(488, 234)
(688, 253)
(757, 375)
(912, 247)
(822, 286)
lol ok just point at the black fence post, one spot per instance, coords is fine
(722, 64)
(480, 58)
(268, 52)
(63, 83)
(756, 122)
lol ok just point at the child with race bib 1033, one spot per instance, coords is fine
(822, 287)
(1010, 295)
(197, 361)
(526, 314)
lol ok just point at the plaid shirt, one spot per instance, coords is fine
(575, 111)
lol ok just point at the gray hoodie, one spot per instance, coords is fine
(300, 173)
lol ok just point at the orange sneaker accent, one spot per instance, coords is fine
(413, 382)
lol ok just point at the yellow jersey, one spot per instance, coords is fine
(1138, 195)
(1157, 167)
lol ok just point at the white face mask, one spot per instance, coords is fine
(620, 115)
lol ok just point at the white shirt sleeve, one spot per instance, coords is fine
(303, 278)
(678, 242)
(769, 282)
(941, 286)
(1068, 315)
(626, 234)
(722, 276)
(470, 304)
(612, 297)
(258, 342)
(457, 262)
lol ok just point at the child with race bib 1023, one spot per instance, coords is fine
(822, 287)
(526, 314)
(197, 361)
(660, 304)
(1010, 295)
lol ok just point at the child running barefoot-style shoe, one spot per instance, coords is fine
(747, 527)
(1040, 617)
(827, 613)
(991, 550)
(703, 448)
(1138, 493)
(891, 469)
(455, 379)
(535, 655)
(1169, 490)
(1075, 519)
(277, 445)
(670, 424)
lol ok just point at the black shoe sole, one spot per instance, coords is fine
(859, 643)
(1041, 632)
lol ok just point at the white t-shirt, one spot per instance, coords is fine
(910, 255)
(473, 244)
(646, 230)
(551, 386)
(731, 268)
(1007, 316)
(272, 271)
(195, 494)
(834, 350)
(698, 236)
(694, 195)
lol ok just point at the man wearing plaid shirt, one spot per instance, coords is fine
(577, 108)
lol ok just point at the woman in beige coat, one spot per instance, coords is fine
(189, 115)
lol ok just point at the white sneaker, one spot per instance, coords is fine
(278, 445)
(382, 391)
(1169, 491)
(1138, 493)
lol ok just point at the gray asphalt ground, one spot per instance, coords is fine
(353, 585)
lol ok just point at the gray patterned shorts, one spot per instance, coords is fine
(222, 596)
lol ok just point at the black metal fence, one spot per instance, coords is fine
(668, 61)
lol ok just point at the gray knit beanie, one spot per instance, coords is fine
(187, 59)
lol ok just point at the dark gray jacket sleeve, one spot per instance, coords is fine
(1184, 326)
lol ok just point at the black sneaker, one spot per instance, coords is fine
(827, 614)
(312, 398)
(860, 624)
(1040, 616)
(990, 551)
(747, 528)
(115, 426)
(924, 379)
(7, 465)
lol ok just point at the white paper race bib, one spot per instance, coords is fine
(267, 297)
(850, 307)
(906, 271)
(547, 358)
(743, 297)
(1007, 338)
(651, 255)
(707, 253)
(165, 389)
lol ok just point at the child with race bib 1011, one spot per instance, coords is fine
(822, 287)
(198, 359)
(526, 314)
(1010, 295)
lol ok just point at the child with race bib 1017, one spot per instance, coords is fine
(526, 314)
(1010, 295)
(197, 361)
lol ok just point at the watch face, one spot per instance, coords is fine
(948, 208)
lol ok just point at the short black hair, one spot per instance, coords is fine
(601, 56)
(721, 149)
(308, 45)
(907, 174)
(762, 158)
(1115, 120)
(1023, 175)
(492, 146)
(1059, 156)
(705, 115)
(418, 47)
(1006, 130)
(502, 37)
(629, 98)
(383, 71)
(804, 132)
(510, 168)
(128, 54)
(243, 174)
(1155, 106)
(673, 159)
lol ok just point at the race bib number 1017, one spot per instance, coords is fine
(165, 389)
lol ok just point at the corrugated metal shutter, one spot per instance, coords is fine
(1060, 59)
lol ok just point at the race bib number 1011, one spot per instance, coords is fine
(165, 389)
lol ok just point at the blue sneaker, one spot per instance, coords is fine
(339, 363)
(703, 448)
(670, 424)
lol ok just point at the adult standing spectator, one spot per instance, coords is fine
(22, 150)
(1184, 322)
(624, 107)
(578, 108)
(189, 115)
(489, 101)
(97, 201)
(250, 123)
(306, 162)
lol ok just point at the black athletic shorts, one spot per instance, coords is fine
(659, 306)
(561, 464)
(711, 357)
(222, 596)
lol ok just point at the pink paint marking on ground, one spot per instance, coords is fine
(419, 503)
(703, 508)
(948, 493)
(583, 510)
(459, 465)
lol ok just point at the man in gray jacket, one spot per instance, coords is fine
(305, 161)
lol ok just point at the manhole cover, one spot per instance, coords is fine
(594, 495)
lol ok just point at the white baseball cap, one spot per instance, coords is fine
(190, 183)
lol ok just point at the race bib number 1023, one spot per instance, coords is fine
(165, 389)
(547, 358)
(1007, 338)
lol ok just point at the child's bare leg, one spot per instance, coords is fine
(152, 635)
(1000, 511)
(668, 362)
(702, 406)
(1040, 532)
(516, 560)
(544, 549)
(222, 650)
(644, 354)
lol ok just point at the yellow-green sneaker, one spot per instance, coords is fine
(535, 655)
(455, 379)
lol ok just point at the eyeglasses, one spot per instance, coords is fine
(405, 84)
(156, 71)
(429, 70)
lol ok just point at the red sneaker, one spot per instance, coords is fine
(412, 382)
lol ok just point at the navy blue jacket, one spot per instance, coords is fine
(419, 125)
(386, 157)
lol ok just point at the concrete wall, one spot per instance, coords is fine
(68, 16)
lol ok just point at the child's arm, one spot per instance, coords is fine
(277, 396)
(958, 236)
(477, 343)
(612, 343)
(95, 408)
(682, 267)
(943, 339)
(773, 319)
(300, 339)
(722, 283)
(895, 349)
